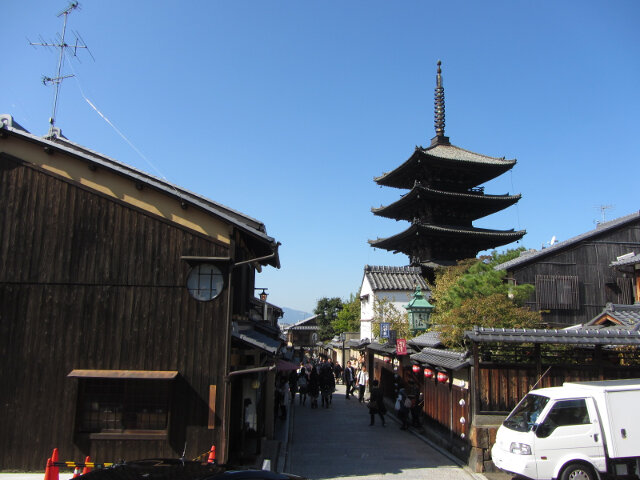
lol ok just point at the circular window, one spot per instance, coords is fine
(205, 282)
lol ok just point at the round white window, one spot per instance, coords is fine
(205, 282)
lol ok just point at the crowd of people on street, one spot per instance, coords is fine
(316, 378)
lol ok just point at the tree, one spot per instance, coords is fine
(473, 293)
(348, 319)
(327, 311)
(385, 311)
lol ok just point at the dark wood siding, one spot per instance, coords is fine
(87, 282)
(588, 262)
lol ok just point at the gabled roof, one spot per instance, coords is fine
(442, 358)
(394, 278)
(576, 336)
(626, 316)
(382, 348)
(309, 323)
(252, 227)
(530, 257)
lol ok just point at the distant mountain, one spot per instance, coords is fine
(293, 316)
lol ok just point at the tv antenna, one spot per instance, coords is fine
(62, 46)
(603, 211)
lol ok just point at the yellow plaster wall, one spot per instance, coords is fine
(119, 187)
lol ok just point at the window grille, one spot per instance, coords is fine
(557, 292)
(123, 406)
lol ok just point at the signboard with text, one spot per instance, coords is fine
(401, 346)
(384, 330)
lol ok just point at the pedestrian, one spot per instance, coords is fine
(314, 388)
(349, 377)
(326, 384)
(362, 380)
(403, 403)
(293, 384)
(376, 404)
(337, 370)
(416, 410)
(303, 384)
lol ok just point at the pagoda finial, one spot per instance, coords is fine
(439, 103)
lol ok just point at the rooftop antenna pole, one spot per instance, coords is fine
(61, 46)
(603, 211)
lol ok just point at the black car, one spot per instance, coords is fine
(176, 469)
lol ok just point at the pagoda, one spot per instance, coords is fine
(443, 200)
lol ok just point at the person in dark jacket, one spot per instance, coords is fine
(314, 387)
(376, 404)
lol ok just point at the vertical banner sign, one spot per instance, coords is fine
(401, 346)
(392, 337)
(384, 330)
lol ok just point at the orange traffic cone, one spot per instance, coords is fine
(76, 472)
(212, 455)
(47, 472)
(86, 469)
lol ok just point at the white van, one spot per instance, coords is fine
(580, 431)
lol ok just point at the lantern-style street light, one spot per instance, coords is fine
(419, 310)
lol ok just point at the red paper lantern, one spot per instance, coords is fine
(442, 377)
(428, 373)
(416, 368)
(387, 359)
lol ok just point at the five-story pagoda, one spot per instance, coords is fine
(444, 199)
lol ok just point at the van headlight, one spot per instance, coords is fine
(520, 448)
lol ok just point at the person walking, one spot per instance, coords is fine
(303, 383)
(313, 388)
(376, 404)
(403, 403)
(362, 381)
(349, 378)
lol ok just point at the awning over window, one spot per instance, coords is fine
(125, 374)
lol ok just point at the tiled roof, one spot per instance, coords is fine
(382, 348)
(630, 260)
(428, 339)
(529, 256)
(627, 315)
(442, 358)
(576, 336)
(250, 225)
(258, 340)
(451, 152)
(394, 278)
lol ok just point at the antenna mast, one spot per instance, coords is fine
(61, 46)
(603, 211)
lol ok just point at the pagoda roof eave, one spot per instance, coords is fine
(484, 238)
(481, 168)
(485, 204)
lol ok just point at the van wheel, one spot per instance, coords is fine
(577, 471)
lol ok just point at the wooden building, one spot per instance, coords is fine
(576, 278)
(126, 307)
(444, 199)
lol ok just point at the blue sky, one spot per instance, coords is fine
(287, 110)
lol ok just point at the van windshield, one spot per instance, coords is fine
(526, 413)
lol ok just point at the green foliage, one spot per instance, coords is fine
(348, 319)
(384, 311)
(473, 293)
(327, 310)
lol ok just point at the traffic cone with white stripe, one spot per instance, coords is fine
(76, 472)
(212, 454)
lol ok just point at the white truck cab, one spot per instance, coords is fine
(580, 431)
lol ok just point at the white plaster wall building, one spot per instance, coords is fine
(395, 284)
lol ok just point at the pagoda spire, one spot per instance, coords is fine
(439, 111)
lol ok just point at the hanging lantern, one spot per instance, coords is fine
(416, 368)
(387, 359)
(442, 377)
(428, 373)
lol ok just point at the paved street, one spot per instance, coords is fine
(339, 443)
